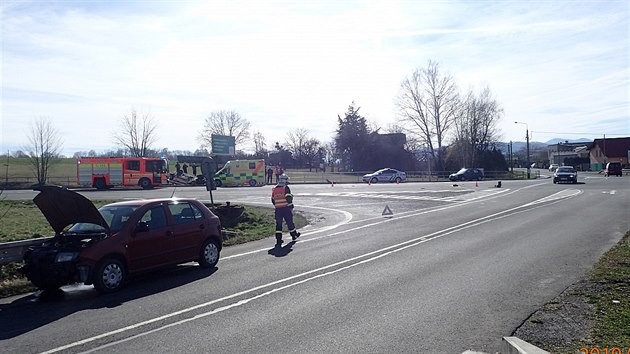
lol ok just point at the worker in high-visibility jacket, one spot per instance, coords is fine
(282, 199)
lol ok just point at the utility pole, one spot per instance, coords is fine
(527, 138)
(6, 175)
(510, 149)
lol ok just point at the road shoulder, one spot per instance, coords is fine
(593, 313)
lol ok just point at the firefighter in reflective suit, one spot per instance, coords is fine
(282, 199)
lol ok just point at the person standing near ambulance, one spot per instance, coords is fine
(282, 199)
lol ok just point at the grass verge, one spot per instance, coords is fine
(25, 221)
(612, 329)
(592, 315)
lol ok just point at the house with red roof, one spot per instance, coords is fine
(609, 150)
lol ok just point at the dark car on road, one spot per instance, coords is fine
(104, 246)
(614, 168)
(565, 174)
(467, 174)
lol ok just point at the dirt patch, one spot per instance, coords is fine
(564, 322)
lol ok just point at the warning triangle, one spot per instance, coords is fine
(387, 211)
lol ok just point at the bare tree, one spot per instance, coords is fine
(228, 123)
(428, 102)
(330, 155)
(303, 147)
(476, 125)
(137, 133)
(259, 144)
(44, 147)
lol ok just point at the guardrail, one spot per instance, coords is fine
(14, 251)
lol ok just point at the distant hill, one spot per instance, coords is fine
(536, 145)
(520, 145)
(558, 140)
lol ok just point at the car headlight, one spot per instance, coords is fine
(66, 256)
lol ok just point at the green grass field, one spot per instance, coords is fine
(21, 220)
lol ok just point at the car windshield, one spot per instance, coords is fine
(566, 169)
(115, 216)
(462, 170)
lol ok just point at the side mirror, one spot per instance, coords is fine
(142, 226)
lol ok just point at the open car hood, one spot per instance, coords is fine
(63, 207)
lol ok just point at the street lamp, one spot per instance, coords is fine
(527, 138)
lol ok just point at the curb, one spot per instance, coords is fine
(514, 345)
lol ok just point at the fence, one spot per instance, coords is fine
(304, 176)
(298, 176)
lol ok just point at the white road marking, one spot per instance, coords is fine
(347, 219)
(372, 256)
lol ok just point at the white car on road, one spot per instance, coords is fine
(385, 175)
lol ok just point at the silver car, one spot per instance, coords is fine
(385, 175)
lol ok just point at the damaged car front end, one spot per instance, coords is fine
(57, 262)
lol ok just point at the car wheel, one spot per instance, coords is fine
(109, 276)
(217, 183)
(252, 182)
(209, 256)
(145, 183)
(554, 181)
(398, 180)
(374, 180)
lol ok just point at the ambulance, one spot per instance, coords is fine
(237, 173)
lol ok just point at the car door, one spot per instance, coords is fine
(151, 243)
(189, 230)
(386, 176)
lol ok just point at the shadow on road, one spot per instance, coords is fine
(282, 251)
(41, 308)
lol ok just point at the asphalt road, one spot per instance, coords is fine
(454, 268)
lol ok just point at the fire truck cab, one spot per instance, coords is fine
(107, 172)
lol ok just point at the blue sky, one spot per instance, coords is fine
(559, 66)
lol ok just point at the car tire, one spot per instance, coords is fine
(398, 180)
(209, 254)
(109, 276)
(217, 183)
(145, 183)
(374, 180)
(252, 183)
(554, 181)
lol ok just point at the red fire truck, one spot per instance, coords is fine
(107, 172)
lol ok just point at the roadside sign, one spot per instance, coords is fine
(223, 145)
